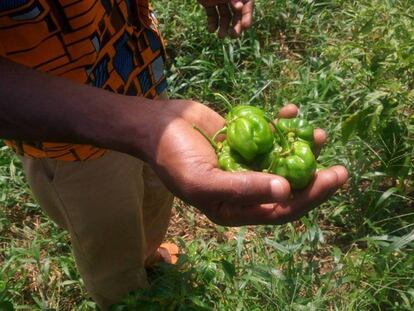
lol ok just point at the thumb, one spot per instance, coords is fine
(249, 187)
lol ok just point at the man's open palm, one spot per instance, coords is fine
(187, 164)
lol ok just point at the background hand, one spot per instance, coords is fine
(187, 164)
(231, 17)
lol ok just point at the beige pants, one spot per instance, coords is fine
(116, 211)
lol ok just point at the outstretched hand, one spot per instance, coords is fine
(187, 164)
(231, 17)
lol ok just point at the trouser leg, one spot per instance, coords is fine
(116, 211)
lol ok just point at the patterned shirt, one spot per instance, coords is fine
(110, 44)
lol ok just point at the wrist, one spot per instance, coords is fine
(137, 126)
(54, 109)
(131, 129)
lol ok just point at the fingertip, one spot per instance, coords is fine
(320, 136)
(246, 23)
(280, 188)
(289, 111)
(237, 5)
(236, 26)
(327, 179)
(342, 174)
(292, 107)
(236, 30)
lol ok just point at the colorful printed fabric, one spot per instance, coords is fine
(110, 44)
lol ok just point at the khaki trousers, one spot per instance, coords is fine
(116, 211)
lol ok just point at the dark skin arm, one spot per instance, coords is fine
(36, 106)
(39, 107)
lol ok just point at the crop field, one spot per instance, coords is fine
(349, 66)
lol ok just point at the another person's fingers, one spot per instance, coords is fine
(212, 19)
(320, 138)
(236, 30)
(236, 5)
(247, 14)
(225, 18)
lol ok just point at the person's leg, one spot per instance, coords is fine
(100, 202)
(157, 205)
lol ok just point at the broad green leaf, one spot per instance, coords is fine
(349, 127)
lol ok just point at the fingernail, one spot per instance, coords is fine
(278, 190)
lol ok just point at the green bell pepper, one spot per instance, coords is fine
(249, 135)
(243, 111)
(228, 160)
(296, 129)
(297, 165)
(252, 145)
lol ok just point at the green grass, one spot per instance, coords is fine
(349, 65)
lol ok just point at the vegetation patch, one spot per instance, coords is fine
(349, 66)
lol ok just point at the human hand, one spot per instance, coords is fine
(187, 164)
(232, 17)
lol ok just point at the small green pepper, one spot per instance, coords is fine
(296, 129)
(243, 111)
(230, 161)
(297, 165)
(250, 135)
(252, 145)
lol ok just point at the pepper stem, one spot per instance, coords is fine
(282, 138)
(211, 141)
(222, 131)
(270, 165)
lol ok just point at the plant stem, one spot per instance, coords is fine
(211, 141)
(282, 138)
(222, 131)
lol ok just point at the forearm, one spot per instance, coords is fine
(39, 107)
